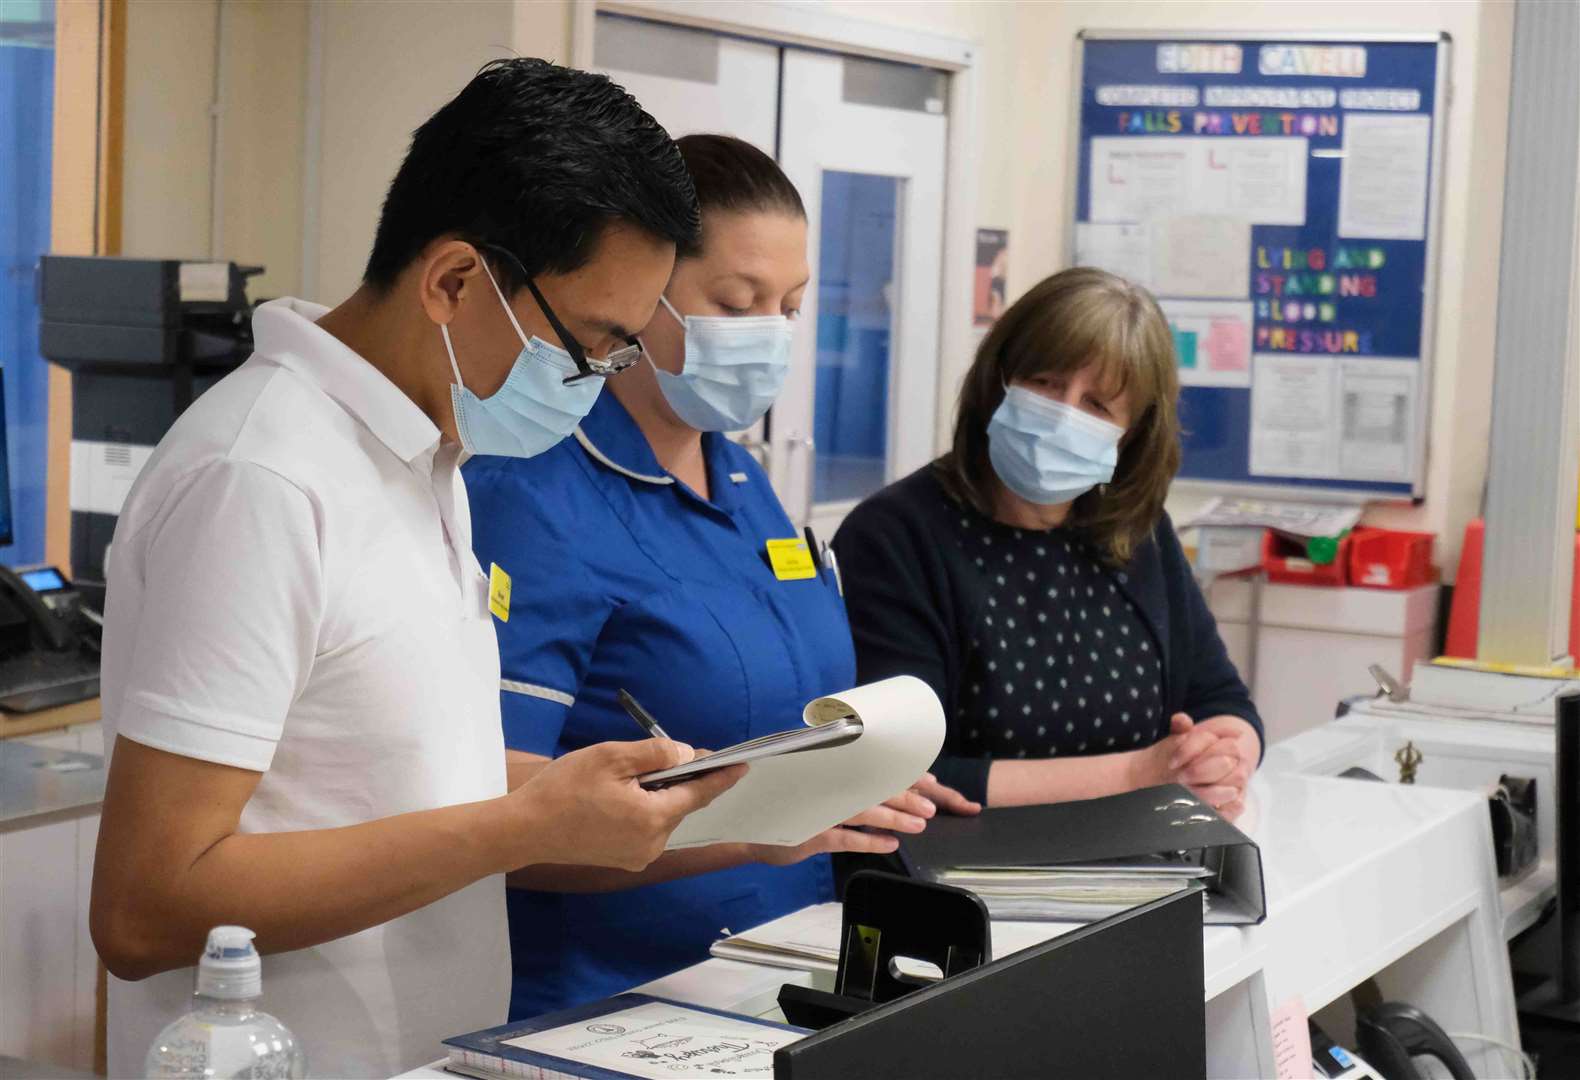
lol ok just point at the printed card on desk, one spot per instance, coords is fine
(629, 1037)
(788, 799)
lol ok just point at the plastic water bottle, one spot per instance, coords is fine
(225, 1035)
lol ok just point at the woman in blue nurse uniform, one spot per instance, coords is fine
(676, 600)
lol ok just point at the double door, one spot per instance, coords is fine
(864, 142)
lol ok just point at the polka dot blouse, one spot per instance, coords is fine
(1060, 661)
(1035, 646)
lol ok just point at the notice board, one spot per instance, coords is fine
(1279, 196)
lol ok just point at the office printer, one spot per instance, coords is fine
(142, 339)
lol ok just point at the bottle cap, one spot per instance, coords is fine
(1322, 550)
(230, 967)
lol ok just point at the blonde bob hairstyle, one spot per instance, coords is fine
(1065, 323)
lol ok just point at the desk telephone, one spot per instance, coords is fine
(49, 641)
(1390, 1035)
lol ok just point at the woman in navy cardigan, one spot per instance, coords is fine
(1031, 577)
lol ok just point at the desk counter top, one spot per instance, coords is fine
(39, 785)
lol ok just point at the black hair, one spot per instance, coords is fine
(732, 174)
(539, 160)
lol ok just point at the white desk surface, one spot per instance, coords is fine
(1358, 874)
(1456, 752)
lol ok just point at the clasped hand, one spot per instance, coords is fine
(1214, 757)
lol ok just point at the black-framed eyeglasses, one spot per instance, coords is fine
(587, 367)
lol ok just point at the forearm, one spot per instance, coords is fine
(1023, 782)
(521, 767)
(294, 889)
(667, 867)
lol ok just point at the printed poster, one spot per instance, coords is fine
(1212, 341)
(1294, 416)
(992, 276)
(1138, 178)
(1384, 177)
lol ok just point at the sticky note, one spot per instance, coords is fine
(498, 592)
(791, 560)
(1291, 1041)
(1185, 347)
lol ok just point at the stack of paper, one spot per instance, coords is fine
(1065, 893)
(806, 940)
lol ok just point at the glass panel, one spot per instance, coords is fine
(652, 48)
(894, 86)
(855, 321)
(27, 85)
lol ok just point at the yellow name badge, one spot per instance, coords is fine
(498, 592)
(791, 559)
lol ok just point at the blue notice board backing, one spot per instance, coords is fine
(1279, 197)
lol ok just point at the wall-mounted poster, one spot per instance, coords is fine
(992, 273)
(1278, 195)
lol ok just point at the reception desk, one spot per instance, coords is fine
(1364, 881)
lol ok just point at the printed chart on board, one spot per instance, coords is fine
(1277, 197)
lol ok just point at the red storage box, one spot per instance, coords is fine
(1285, 562)
(1390, 559)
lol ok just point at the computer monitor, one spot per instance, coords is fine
(5, 473)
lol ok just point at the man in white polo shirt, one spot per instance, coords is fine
(301, 681)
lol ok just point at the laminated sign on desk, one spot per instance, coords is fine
(1086, 860)
(789, 795)
(629, 1037)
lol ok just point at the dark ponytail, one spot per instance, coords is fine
(733, 175)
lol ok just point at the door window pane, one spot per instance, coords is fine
(854, 329)
(27, 85)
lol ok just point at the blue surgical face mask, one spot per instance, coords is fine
(735, 367)
(533, 410)
(1048, 452)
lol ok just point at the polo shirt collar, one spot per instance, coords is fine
(286, 332)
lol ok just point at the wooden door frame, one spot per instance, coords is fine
(85, 199)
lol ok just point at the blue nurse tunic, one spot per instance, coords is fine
(623, 577)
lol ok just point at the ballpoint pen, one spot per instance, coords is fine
(642, 716)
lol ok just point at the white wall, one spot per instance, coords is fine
(385, 67)
(169, 87)
(168, 192)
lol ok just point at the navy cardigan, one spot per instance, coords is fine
(914, 599)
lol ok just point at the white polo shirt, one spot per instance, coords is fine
(292, 590)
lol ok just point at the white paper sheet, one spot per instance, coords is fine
(1383, 180)
(1123, 248)
(1378, 407)
(790, 799)
(1202, 255)
(1261, 181)
(664, 1041)
(1138, 178)
(1294, 416)
(1212, 341)
(1295, 518)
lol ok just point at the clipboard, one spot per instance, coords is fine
(795, 741)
